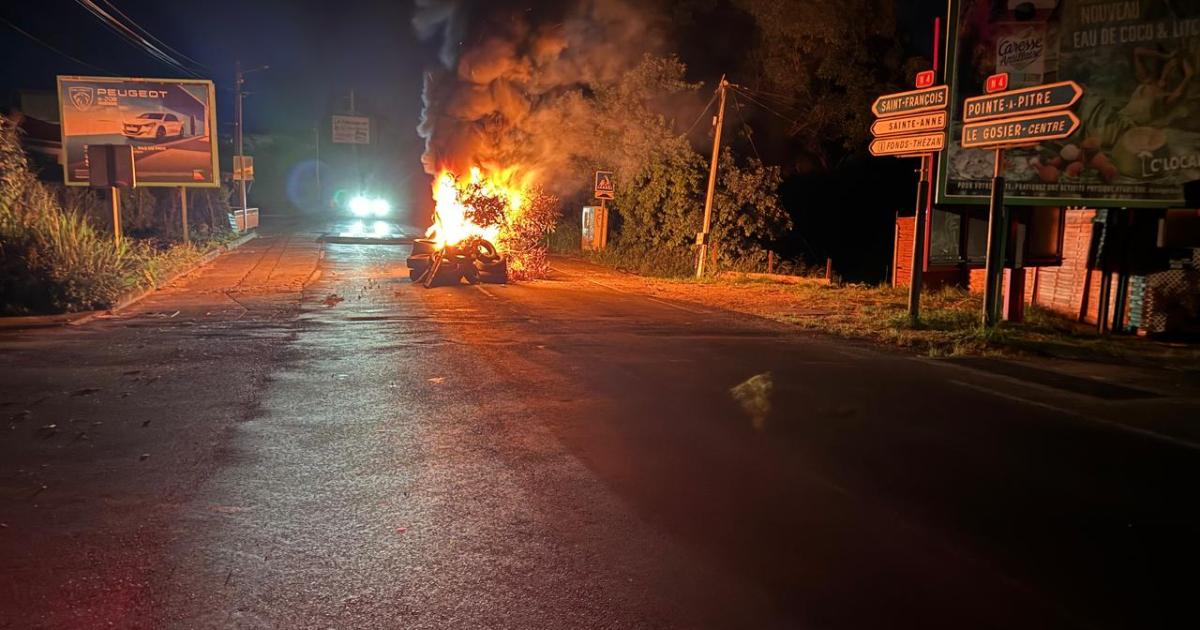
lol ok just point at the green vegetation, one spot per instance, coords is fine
(660, 178)
(53, 258)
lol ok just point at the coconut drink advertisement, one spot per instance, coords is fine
(1138, 139)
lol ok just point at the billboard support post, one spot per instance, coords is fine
(997, 230)
(115, 195)
(183, 213)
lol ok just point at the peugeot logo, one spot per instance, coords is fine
(82, 97)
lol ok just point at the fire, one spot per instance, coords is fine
(477, 206)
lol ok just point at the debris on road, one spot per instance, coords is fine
(332, 299)
(754, 395)
(86, 391)
(144, 457)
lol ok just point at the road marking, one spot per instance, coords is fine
(1108, 423)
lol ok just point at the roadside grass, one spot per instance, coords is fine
(949, 323)
(54, 260)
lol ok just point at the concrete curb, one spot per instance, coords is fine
(129, 299)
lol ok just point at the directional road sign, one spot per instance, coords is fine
(1030, 100)
(902, 103)
(1019, 130)
(909, 145)
(931, 121)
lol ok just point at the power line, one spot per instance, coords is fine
(156, 40)
(702, 112)
(52, 48)
(760, 104)
(122, 30)
(750, 134)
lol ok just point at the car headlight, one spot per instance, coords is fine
(360, 206)
(380, 207)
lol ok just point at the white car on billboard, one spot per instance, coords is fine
(153, 126)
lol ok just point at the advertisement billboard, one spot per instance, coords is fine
(169, 123)
(1138, 139)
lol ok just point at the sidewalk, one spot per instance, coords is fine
(267, 273)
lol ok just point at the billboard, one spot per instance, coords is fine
(1138, 139)
(170, 123)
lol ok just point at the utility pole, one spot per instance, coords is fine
(354, 147)
(317, 135)
(239, 79)
(238, 82)
(712, 178)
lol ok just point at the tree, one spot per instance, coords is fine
(822, 63)
(660, 177)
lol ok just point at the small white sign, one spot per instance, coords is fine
(351, 130)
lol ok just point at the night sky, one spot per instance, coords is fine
(316, 51)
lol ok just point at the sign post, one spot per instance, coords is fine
(111, 166)
(183, 214)
(1005, 119)
(912, 124)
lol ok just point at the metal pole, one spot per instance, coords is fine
(918, 252)
(183, 213)
(354, 147)
(712, 179)
(317, 133)
(997, 229)
(238, 81)
(116, 207)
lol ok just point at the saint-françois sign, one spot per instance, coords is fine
(901, 103)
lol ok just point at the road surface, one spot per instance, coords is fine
(300, 438)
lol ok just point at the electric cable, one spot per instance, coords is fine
(122, 30)
(54, 49)
(149, 35)
(768, 109)
(750, 135)
(702, 112)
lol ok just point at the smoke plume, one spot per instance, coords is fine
(501, 62)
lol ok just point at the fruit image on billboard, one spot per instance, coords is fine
(1137, 65)
(170, 123)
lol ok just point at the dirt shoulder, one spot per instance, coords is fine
(949, 325)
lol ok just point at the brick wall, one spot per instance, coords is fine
(902, 252)
(1059, 289)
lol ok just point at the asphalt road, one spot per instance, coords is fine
(300, 438)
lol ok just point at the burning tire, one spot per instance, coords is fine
(474, 260)
(423, 246)
(492, 273)
(418, 264)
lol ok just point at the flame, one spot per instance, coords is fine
(452, 216)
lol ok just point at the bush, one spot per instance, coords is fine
(52, 259)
